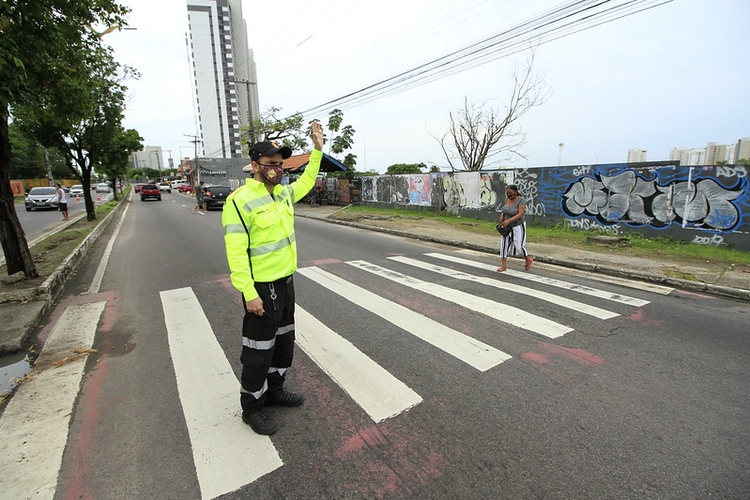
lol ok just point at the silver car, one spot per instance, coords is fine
(76, 190)
(41, 197)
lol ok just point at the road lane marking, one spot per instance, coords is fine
(34, 426)
(226, 452)
(522, 290)
(96, 283)
(471, 351)
(573, 287)
(497, 310)
(373, 388)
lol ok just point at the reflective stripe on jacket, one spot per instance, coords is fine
(270, 220)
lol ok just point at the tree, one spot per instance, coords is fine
(29, 159)
(343, 139)
(115, 158)
(405, 168)
(82, 119)
(287, 130)
(478, 133)
(40, 48)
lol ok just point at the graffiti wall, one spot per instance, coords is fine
(704, 205)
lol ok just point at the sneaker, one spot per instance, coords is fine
(283, 398)
(260, 421)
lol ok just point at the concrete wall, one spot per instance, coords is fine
(707, 205)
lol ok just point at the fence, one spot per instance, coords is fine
(707, 205)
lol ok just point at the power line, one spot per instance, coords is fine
(548, 26)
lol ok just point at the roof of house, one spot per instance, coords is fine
(297, 163)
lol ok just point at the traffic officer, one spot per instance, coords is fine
(261, 248)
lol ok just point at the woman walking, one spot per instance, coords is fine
(512, 217)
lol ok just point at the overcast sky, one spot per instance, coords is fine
(672, 76)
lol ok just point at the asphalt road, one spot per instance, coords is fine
(425, 376)
(37, 223)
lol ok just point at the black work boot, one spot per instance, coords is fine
(283, 397)
(260, 421)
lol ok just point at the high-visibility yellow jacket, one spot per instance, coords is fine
(269, 219)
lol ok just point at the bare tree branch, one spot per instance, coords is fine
(479, 133)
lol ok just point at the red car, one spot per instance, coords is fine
(150, 191)
(186, 189)
(137, 187)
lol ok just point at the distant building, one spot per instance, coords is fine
(689, 156)
(636, 155)
(149, 157)
(742, 150)
(224, 77)
(715, 153)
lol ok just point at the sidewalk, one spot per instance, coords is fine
(712, 279)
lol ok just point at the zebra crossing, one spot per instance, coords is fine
(216, 431)
(208, 387)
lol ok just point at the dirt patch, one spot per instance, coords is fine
(49, 253)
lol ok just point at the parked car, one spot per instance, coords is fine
(215, 196)
(186, 188)
(76, 190)
(164, 186)
(103, 187)
(178, 183)
(150, 191)
(41, 197)
(137, 187)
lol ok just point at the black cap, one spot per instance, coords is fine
(266, 148)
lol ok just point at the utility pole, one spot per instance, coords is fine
(195, 141)
(158, 162)
(251, 133)
(171, 161)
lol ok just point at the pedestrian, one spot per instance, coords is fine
(62, 201)
(200, 195)
(512, 216)
(259, 239)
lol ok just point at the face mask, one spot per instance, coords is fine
(272, 174)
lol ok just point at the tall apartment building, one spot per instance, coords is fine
(689, 156)
(742, 150)
(149, 157)
(636, 155)
(225, 80)
(715, 153)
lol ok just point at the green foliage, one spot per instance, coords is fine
(405, 168)
(28, 160)
(288, 131)
(48, 53)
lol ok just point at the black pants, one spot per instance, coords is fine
(267, 342)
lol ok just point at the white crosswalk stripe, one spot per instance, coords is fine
(555, 299)
(572, 287)
(501, 312)
(471, 351)
(209, 393)
(378, 393)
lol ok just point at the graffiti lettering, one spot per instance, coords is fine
(591, 225)
(630, 198)
(738, 171)
(714, 240)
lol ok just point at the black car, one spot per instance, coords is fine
(215, 196)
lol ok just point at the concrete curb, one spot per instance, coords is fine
(694, 286)
(37, 302)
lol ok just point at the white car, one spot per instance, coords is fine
(103, 188)
(164, 186)
(76, 190)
